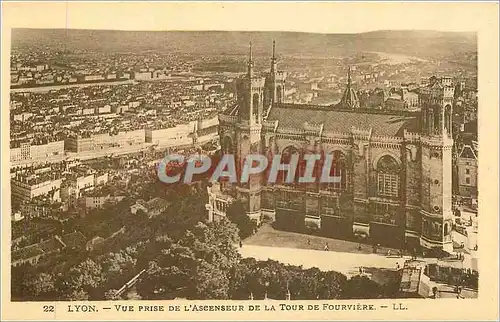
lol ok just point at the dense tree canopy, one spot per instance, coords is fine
(182, 256)
(361, 287)
(275, 279)
(195, 266)
(39, 286)
(237, 214)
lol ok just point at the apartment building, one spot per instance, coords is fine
(24, 188)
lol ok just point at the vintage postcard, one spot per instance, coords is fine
(249, 161)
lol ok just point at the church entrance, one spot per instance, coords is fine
(290, 220)
(336, 227)
(387, 235)
(412, 244)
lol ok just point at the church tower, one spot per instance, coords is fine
(250, 95)
(248, 135)
(275, 82)
(436, 159)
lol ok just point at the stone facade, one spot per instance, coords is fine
(395, 167)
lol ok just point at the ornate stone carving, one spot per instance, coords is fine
(359, 149)
(411, 152)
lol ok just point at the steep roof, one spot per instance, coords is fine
(27, 252)
(341, 121)
(233, 110)
(36, 249)
(74, 240)
(349, 98)
(156, 204)
(208, 130)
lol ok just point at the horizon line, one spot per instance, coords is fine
(252, 31)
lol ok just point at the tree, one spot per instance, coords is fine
(214, 242)
(19, 276)
(118, 267)
(225, 232)
(183, 213)
(111, 294)
(391, 287)
(198, 263)
(81, 281)
(333, 284)
(240, 274)
(38, 287)
(361, 287)
(133, 296)
(236, 213)
(79, 295)
(210, 283)
(43, 284)
(275, 279)
(171, 270)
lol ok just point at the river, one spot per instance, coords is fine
(395, 59)
(42, 89)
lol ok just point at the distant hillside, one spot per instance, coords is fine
(418, 43)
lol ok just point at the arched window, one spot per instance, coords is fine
(227, 145)
(436, 118)
(278, 94)
(268, 92)
(339, 170)
(286, 156)
(388, 177)
(268, 200)
(436, 230)
(430, 121)
(425, 228)
(330, 205)
(255, 105)
(447, 119)
(446, 229)
(244, 145)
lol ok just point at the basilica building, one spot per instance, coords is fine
(395, 166)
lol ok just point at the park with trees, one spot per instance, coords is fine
(182, 256)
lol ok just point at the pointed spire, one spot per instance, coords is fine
(273, 59)
(349, 76)
(250, 62)
(250, 54)
(349, 98)
(274, 50)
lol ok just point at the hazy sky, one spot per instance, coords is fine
(290, 16)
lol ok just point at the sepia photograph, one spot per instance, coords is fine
(150, 165)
